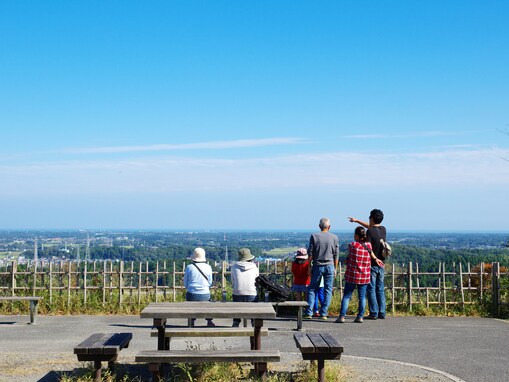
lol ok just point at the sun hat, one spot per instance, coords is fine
(302, 253)
(245, 254)
(198, 255)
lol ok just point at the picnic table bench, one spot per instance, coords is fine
(34, 301)
(209, 332)
(101, 347)
(318, 347)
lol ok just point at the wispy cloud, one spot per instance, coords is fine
(212, 145)
(419, 134)
(453, 169)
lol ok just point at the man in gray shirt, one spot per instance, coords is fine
(323, 249)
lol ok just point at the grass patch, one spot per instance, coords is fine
(213, 372)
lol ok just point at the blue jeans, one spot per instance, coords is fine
(198, 297)
(239, 298)
(361, 292)
(376, 292)
(319, 298)
(317, 272)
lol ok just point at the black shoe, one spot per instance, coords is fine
(370, 317)
(380, 317)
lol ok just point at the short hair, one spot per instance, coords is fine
(324, 223)
(377, 216)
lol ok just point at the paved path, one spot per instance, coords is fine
(397, 349)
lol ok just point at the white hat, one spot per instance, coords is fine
(302, 253)
(198, 255)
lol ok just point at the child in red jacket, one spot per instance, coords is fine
(301, 277)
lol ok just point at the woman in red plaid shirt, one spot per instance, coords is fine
(357, 273)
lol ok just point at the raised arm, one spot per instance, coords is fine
(354, 220)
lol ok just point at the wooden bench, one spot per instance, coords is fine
(34, 302)
(210, 332)
(319, 347)
(100, 347)
(155, 358)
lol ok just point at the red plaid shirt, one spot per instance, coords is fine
(358, 263)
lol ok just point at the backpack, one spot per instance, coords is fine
(386, 248)
(277, 292)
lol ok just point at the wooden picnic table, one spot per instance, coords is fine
(160, 312)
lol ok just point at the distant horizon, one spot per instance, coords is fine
(186, 230)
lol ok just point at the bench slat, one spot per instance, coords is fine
(304, 343)
(334, 346)
(319, 343)
(83, 347)
(207, 332)
(202, 356)
(104, 343)
(117, 342)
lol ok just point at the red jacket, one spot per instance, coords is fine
(301, 273)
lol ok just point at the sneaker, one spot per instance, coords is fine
(380, 317)
(307, 317)
(323, 318)
(316, 314)
(370, 317)
(341, 320)
(358, 320)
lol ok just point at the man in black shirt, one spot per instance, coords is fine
(376, 288)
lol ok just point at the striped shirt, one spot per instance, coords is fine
(358, 263)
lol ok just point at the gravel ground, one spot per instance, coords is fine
(410, 347)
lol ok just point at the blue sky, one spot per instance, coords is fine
(254, 114)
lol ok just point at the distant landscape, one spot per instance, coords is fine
(425, 248)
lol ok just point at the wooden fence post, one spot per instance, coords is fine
(14, 267)
(157, 278)
(120, 282)
(409, 284)
(461, 287)
(444, 287)
(50, 280)
(34, 280)
(393, 298)
(481, 286)
(139, 283)
(495, 288)
(85, 284)
(69, 282)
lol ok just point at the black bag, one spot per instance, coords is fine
(277, 292)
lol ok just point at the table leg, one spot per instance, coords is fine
(299, 319)
(97, 371)
(321, 370)
(257, 344)
(160, 325)
(33, 311)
